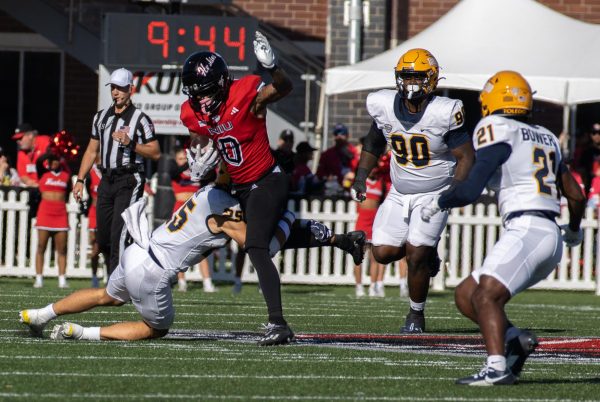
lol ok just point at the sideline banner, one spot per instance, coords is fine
(158, 94)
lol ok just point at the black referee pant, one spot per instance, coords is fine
(115, 194)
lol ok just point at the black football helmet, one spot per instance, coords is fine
(205, 74)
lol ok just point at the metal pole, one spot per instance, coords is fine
(354, 32)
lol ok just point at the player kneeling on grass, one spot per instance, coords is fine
(148, 267)
(524, 163)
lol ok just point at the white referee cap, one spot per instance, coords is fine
(121, 77)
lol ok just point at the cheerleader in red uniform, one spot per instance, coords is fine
(184, 188)
(52, 220)
(95, 176)
(378, 185)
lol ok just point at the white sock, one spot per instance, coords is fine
(181, 281)
(417, 306)
(207, 282)
(48, 312)
(403, 282)
(359, 286)
(497, 362)
(91, 333)
(379, 284)
(39, 278)
(62, 280)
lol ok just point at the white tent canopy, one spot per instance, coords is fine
(558, 55)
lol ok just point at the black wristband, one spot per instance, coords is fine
(361, 175)
(80, 180)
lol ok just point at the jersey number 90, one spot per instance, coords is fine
(413, 150)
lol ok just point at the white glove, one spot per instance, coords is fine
(202, 160)
(430, 207)
(262, 50)
(571, 238)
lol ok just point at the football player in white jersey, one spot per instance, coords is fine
(208, 220)
(431, 151)
(524, 162)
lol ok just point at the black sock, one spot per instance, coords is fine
(268, 278)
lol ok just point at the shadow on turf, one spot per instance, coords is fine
(595, 380)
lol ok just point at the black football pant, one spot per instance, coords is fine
(263, 203)
(115, 194)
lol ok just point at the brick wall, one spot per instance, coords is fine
(350, 108)
(297, 18)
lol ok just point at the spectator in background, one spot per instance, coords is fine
(590, 158)
(93, 182)
(31, 147)
(340, 160)
(52, 220)
(378, 186)
(8, 175)
(184, 188)
(284, 154)
(304, 182)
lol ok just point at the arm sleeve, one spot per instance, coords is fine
(456, 138)
(487, 160)
(375, 141)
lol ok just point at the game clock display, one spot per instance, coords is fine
(165, 41)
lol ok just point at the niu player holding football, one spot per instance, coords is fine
(232, 114)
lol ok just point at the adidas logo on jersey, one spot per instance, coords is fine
(234, 110)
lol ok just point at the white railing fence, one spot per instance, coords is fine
(470, 234)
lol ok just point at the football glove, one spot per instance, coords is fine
(570, 237)
(202, 160)
(358, 191)
(430, 207)
(262, 50)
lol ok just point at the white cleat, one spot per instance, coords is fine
(66, 330)
(38, 284)
(379, 290)
(210, 288)
(32, 319)
(359, 291)
(404, 290)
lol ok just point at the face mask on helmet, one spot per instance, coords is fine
(205, 80)
(412, 84)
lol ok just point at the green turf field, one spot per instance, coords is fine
(211, 354)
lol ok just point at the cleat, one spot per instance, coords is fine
(237, 288)
(415, 323)
(359, 291)
(518, 349)
(276, 335)
(63, 285)
(182, 285)
(32, 319)
(372, 291)
(379, 290)
(38, 284)
(66, 330)
(489, 376)
(355, 246)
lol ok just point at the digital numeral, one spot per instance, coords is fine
(163, 39)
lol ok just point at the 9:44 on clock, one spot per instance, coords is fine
(146, 41)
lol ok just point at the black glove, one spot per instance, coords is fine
(358, 191)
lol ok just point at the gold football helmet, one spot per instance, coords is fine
(417, 74)
(506, 93)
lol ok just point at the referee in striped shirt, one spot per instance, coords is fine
(123, 136)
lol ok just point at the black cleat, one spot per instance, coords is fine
(354, 244)
(518, 349)
(276, 334)
(489, 376)
(415, 323)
